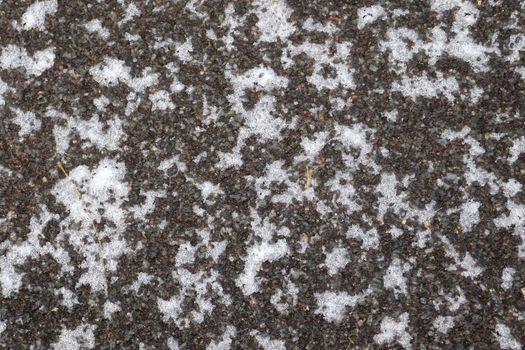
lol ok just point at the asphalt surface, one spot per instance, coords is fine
(262, 174)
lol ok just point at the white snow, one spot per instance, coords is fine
(394, 279)
(200, 288)
(518, 147)
(443, 323)
(511, 188)
(259, 120)
(312, 147)
(516, 218)
(312, 26)
(3, 89)
(267, 343)
(336, 260)
(110, 308)
(273, 21)
(95, 26)
(103, 194)
(256, 255)
(282, 301)
(393, 330)
(184, 50)
(507, 277)
(395, 232)
(505, 338)
(423, 86)
(35, 15)
(226, 340)
(332, 305)
(367, 15)
(436, 43)
(93, 131)
(69, 299)
(468, 264)
(17, 254)
(185, 254)
(167, 164)
(324, 56)
(142, 279)
(27, 121)
(208, 190)
(172, 344)
(456, 301)
(14, 57)
(101, 103)
(369, 239)
(469, 215)
(161, 101)
(79, 338)
(131, 12)
(113, 71)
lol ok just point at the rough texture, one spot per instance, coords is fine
(262, 174)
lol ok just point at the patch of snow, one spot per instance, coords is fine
(110, 308)
(14, 57)
(199, 288)
(394, 279)
(95, 26)
(273, 21)
(184, 50)
(3, 89)
(103, 136)
(79, 338)
(161, 101)
(443, 323)
(505, 338)
(324, 56)
(113, 71)
(185, 254)
(267, 343)
(172, 344)
(423, 86)
(369, 239)
(507, 277)
(69, 299)
(313, 147)
(469, 215)
(336, 260)
(208, 190)
(455, 302)
(516, 218)
(35, 15)
(312, 26)
(131, 12)
(101, 103)
(367, 15)
(393, 330)
(511, 188)
(27, 121)
(332, 305)
(256, 255)
(226, 342)
(103, 194)
(518, 147)
(142, 279)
